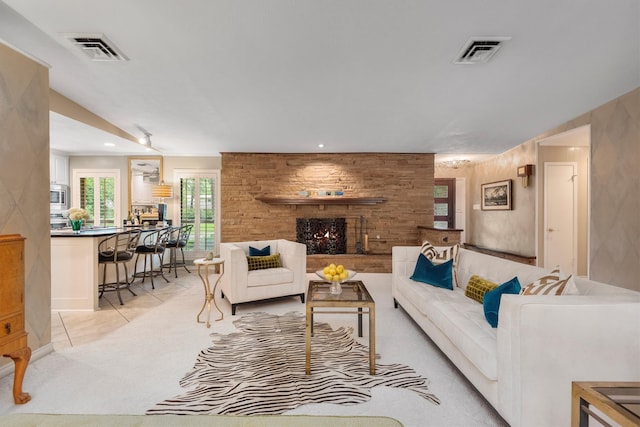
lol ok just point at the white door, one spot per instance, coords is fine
(560, 216)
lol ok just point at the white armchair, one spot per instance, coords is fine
(239, 284)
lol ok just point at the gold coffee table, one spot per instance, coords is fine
(618, 400)
(354, 295)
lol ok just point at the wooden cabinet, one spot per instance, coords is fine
(13, 338)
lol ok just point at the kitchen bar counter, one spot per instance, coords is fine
(86, 232)
(75, 273)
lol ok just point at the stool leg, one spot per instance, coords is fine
(126, 272)
(150, 271)
(118, 284)
(184, 264)
(161, 260)
(104, 280)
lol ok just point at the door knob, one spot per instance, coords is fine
(551, 229)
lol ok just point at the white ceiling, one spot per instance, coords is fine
(210, 76)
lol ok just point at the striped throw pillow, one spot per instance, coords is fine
(477, 287)
(445, 255)
(551, 284)
(428, 250)
(263, 262)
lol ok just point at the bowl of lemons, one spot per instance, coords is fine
(335, 273)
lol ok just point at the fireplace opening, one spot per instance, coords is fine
(322, 235)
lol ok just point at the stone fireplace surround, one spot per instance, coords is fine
(405, 181)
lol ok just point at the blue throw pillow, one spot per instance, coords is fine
(266, 251)
(491, 302)
(440, 275)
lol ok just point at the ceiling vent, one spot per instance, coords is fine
(480, 50)
(96, 46)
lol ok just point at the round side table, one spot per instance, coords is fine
(209, 294)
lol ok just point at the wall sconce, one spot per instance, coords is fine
(162, 191)
(525, 172)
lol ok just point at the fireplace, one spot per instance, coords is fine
(322, 235)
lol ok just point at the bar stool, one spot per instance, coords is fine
(153, 243)
(178, 240)
(117, 250)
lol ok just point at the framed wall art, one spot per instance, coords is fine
(496, 196)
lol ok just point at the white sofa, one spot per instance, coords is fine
(240, 285)
(525, 366)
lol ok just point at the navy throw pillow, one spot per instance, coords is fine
(266, 251)
(440, 275)
(491, 302)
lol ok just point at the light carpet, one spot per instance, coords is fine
(260, 370)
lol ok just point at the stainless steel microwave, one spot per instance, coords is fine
(58, 197)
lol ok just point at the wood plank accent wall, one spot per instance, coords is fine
(405, 180)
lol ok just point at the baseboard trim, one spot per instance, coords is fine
(40, 352)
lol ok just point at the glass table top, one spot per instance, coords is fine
(353, 290)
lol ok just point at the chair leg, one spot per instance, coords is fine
(302, 298)
(233, 309)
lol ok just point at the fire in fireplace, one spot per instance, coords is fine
(322, 235)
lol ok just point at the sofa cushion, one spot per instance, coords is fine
(269, 276)
(477, 287)
(491, 302)
(266, 251)
(551, 284)
(436, 275)
(462, 321)
(263, 262)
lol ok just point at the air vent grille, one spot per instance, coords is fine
(480, 50)
(97, 47)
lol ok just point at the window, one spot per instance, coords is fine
(444, 208)
(199, 201)
(98, 191)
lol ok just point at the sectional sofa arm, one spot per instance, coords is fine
(545, 342)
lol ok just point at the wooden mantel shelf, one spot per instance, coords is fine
(333, 200)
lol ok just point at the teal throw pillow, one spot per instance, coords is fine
(491, 302)
(440, 275)
(266, 251)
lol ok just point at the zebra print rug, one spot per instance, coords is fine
(260, 370)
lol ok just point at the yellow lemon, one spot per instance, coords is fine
(344, 275)
(340, 269)
(328, 277)
(326, 270)
(336, 277)
(332, 271)
(332, 265)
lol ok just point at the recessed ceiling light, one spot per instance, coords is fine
(109, 144)
(320, 145)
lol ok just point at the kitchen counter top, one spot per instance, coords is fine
(95, 231)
